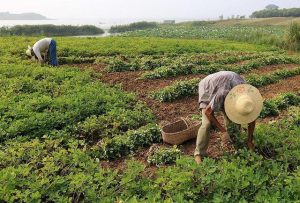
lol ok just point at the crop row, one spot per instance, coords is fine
(122, 63)
(273, 106)
(112, 46)
(51, 171)
(119, 64)
(190, 87)
(187, 69)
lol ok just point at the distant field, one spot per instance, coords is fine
(259, 21)
(269, 31)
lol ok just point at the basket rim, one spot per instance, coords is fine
(194, 124)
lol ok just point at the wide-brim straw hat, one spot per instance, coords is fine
(243, 104)
(28, 51)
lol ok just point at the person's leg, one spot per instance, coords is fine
(203, 136)
(52, 53)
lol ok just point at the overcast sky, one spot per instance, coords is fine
(140, 9)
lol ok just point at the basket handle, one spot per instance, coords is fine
(186, 121)
(163, 123)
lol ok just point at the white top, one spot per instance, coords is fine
(41, 47)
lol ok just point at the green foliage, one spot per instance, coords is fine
(262, 80)
(37, 171)
(178, 90)
(75, 60)
(273, 106)
(186, 68)
(126, 143)
(36, 101)
(133, 26)
(51, 118)
(115, 122)
(112, 46)
(269, 35)
(280, 140)
(186, 88)
(292, 37)
(163, 156)
(50, 30)
(268, 13)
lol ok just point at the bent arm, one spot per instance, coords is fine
(38, 54)
(211, 117)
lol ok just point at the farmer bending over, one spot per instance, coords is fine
(243, 104)
(43, 50)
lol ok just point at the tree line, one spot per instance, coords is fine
(133, 26)
(267, 13)
(50, 30)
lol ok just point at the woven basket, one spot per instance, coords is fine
(180, 131)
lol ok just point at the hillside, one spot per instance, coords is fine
(21, 16)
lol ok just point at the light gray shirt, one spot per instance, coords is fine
(214, 88)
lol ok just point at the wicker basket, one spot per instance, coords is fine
(180, 131)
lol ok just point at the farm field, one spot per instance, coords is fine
(88, 131)
(271, 31)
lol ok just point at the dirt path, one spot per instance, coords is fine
(291, 84)
(271, 68)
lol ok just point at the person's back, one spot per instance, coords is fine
(214, 88)
(43, 49)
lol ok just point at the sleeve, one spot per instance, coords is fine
(38, 54)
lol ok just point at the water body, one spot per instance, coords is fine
(104, 24)
(101, 23)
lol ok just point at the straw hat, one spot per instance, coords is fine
(243, 104)
(28, 51)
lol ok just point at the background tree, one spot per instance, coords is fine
(271, 7)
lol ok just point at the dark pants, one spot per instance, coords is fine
(52, 54)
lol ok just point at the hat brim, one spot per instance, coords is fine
(230, 103)
(28, 51)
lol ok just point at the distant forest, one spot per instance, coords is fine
(267, 13)
(50, 30)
